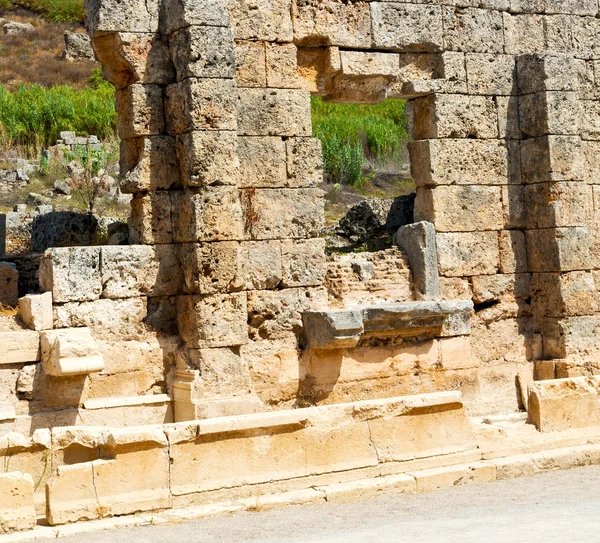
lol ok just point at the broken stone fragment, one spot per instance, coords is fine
(70, 351)
(36, 310)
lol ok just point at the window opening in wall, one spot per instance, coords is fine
(367, 182)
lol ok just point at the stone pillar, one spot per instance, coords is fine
(559, 204)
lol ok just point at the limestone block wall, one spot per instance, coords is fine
(214, 112)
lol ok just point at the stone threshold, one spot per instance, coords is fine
(125, 401)
(449, 474)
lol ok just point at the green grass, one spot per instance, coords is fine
(353, 134)
(57, 11)
(32, 116)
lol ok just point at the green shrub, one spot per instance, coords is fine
(351, 134)
(32, 116)
(57, 11)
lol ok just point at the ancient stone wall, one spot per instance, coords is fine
(211, 303)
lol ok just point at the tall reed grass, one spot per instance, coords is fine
(352, 134)
(32, 116)
(57, 11)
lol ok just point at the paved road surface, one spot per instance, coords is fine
(559, 506)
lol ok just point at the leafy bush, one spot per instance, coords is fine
(351, 134)
(32, 116)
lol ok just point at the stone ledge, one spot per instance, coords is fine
(19, 347)
(125, 401)
(343, 328)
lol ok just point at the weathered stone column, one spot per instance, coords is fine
(559, 204)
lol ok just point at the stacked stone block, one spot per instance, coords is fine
(215, 118)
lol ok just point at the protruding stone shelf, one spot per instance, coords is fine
(343, 328)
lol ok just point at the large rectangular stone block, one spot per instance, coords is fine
(407, 27)
(590, 123)
(219, 320)
(17, 510)
(265, 20)
(282, 66)
(250, 64)
(524, 34)
(134, 57)
(140, 110)
(549, 113)
(265, 219)
(150, 219)
(203, 52)
(543, 73)
(558, 249)
(210, 214)
(513, 253)
(208, 157)
(274, 112)
(491, 74)
(591, 158)
(277, 314)
(201, 104)
(552, 205)
(570, 336)
(19, 347)
(467, 208)
(183, 13)
(229, 266)
(552, 158)
(129, 271)
(316, 23)
(114, 16)
(473, 30)
(565, 294)
(585, 31)
(71, 273)
(148, 164)
(467, 254)
(209, 268)
(110, 319)
(459, 162)
(303, 262)
(454, 116)
(262, 161)
(562, 404)
(304, 162)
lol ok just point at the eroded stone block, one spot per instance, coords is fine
(201, 104)
(213, 321)
(460, 162)
(303, 262)
(262, 161)
(418, 240)
(71, 273)
(129, 271)
(454, 116)
(150, 219)
(549, 113)
(304, 162)
(70, 351)
(558, 249)
(469, 253)
(561, 404)
(407, 27)
(317, 22)
(182, 13)
(18, 347)
(552, 158)
(209, 214)
(208, 157)
(36, 310)
(140, 110)
(148, 164)
(17, 510)
(274, 112)
(467, 208)
(9, 284)
(203, 52)
(265, 20)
